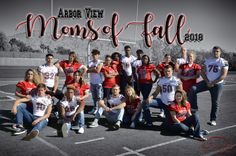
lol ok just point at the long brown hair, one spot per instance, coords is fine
(184, 97)
(75, 57)
(81, 80)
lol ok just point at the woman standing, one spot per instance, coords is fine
(70, 66)
(116, 64)
(189, 72)
(110, 76)
(144, 76)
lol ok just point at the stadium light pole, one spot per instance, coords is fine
(51, 14)
(136, 20)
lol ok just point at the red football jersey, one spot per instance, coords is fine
(69, 69)
(108, 82)
(80, 89)
(189, 71)
(131, 106)
(25, 87)
(181, 112)
(160, 67)
(118, 66)
(144, 73)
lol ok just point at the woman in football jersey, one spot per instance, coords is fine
(181, 120)
(81, 87)
(189, 72)
(70, 66)
(133, 107)
(116, 64)
(144, 76)
(42, 107)
(109, 73)
(25, 88)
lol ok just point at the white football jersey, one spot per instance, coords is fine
(49, 74)
(136, 64)
(114, 101)
(181, 61)
(127, 64)
(168, 88)
(70, 107)
(214, 68)
(95, 78)
(40, 105)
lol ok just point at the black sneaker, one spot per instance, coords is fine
(19, 130)
(116, 126)
(31, 135)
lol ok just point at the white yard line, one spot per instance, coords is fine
(6, 100)
(168, 142)
(10, 97)
(132, 151)
(87, 141)
(52, 146)
(7, 93)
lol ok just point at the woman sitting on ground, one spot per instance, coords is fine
(182, 121)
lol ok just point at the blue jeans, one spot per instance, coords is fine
(156, 103)
(185, 126)
(106, 92)
(96, 90)
(124, 81)
(113, 116)
(79, 119)
(215, 92)
(22, 112)
(127, 118)
(137, 88)
(145, 89)
(19, 116)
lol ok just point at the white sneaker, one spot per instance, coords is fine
(212, 123)
(64, 130)
(162, 115)
(94, 124)
(81, 130)
(204, 132)
(132, 125)
(75, 127)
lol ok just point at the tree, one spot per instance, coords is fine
(4, 45)
(63, 51)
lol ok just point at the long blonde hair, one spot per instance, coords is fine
(133, 95)
(36, 77)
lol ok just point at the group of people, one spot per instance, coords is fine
(120, 87)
